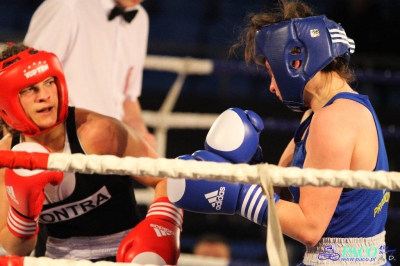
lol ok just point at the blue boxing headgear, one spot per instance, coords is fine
(320, 40)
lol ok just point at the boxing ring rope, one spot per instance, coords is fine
(267, 175)
(243, 173)
(184, 260)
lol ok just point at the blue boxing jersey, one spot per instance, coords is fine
(360, 212)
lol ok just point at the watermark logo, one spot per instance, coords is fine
(357, 254)
(328, 254)
(388, 252)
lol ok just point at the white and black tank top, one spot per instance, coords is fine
(96, 205)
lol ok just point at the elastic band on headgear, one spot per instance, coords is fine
(27, 71)
(320, 41)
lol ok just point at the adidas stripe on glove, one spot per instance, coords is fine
(155, 240)
(216, 197)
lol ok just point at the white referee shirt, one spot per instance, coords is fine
(103, 60)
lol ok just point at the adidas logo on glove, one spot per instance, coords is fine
(10, 192)
(161, 231)
(216, 197)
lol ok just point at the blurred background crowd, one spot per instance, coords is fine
(206, 29)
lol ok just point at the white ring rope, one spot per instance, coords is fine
(184, 260)
(179, 120)
(43, 261)
(185, 65)
(243, 173)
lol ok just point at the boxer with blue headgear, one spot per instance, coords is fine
(317, 41)
(307, 56)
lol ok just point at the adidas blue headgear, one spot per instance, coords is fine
(320, 41)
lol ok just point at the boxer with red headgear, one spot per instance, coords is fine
(30, 69)
(86, 216)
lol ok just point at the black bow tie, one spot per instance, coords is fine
(128, 15)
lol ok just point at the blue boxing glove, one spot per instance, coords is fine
(232, 138)
(235, 136)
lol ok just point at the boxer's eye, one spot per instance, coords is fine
(27, 90)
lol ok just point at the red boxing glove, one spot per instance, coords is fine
(11, 261)
(25, 194)
(155, 240)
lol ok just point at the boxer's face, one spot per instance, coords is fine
(40, 102)
(273, 87)
(128, 3)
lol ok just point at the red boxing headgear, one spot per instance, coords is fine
(29, 70)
